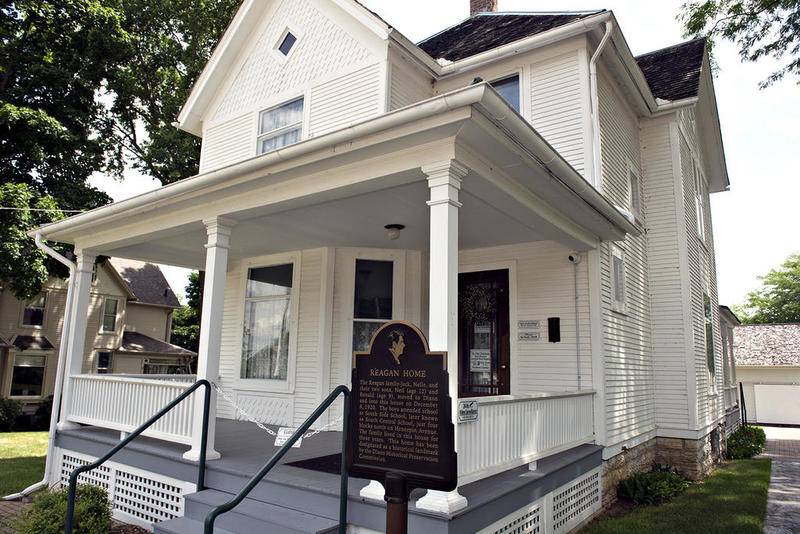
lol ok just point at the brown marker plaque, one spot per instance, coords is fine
(400, 411)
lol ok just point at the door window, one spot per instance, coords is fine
(372, 306)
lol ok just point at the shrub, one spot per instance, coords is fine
(47, 514)
(746, 442)
(654, 487)
(10, 411)
(42, 416)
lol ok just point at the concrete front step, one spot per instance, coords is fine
(255, 516)
(184, 525)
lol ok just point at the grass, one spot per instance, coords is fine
(733, 499)
(21, 460)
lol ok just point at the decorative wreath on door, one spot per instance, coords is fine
(478, 303)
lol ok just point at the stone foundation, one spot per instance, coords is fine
(615, 469)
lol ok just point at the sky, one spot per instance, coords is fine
(755, 223)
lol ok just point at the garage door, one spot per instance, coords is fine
(779, 404)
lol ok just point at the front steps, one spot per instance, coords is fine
(249, 517)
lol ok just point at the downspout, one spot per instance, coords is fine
(597, 164)
(62, 350)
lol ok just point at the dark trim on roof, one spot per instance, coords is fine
(33, 342)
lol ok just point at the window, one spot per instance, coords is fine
(280, 126)
(634, 194)
(709, 334)
(267, 319)
(508, 89)
(372, 303)
(103, 363)
(33, 314)
(287, 43)
(618, 279)
(28, 376)
(699, 202)
(109, 316)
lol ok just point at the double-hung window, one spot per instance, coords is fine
(27, 377)
(33, 314)
(634, 194)
(372, 306)
(709, 330)
(699, 202)
(280, 126)
(103, 363)
(109, 323)
(267, 322)
(617, 279)
(508, 88)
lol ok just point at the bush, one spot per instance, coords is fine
(10, 411)
(654, 487)
(746, 442)
(48, 512)
(41, 419)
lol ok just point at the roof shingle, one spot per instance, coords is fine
(673, 73)
(141, 343)
(767, 344)
(146, 282)
(32, 343)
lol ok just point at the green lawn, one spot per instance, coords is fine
(21, 460)
(733, 499)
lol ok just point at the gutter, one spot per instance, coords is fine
(62, 350)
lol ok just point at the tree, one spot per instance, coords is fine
(759, 28)
(24, 268)
(778, 300)
(170, 43)
(186, 320)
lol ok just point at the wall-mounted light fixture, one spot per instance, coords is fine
(393, 230)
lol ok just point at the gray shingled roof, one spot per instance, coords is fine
(484, 31)
(767, 344)
(32, 343)
(146, 282)
(140, 343)
(673, 73)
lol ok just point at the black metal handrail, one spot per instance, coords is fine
(742, 406)
(73, 477)
(239, 497)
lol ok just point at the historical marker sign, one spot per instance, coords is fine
(400, 411)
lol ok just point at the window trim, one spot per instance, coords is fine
(103, 315)
(270, 385)
(618, 306)
(12, 358)
(22, 323)
(517, 73)
(700, 194)
(303, 124)
(708, 321)
(633, 172)
(276, 47)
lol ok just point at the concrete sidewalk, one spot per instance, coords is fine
(783, 502)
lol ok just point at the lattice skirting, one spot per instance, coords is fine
(137, 496)
(559, 511)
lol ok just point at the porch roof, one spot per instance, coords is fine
(516, 172)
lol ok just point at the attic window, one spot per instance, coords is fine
(287, 43)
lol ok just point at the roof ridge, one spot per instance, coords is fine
(770, 324)
(657, 50)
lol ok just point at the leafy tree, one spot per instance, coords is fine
(759, 28)
(54, 55)
(186, 320)
(24, 268)
(170, 43)
(778, 300)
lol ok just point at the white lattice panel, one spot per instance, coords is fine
(136, 496)
(527, 520)
(576, 501)
(271, 410)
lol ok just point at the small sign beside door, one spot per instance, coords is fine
(467, 411)
(283, 436)
(529, 324)
(529, 336)
(480, 360)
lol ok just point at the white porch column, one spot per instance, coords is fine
(219, 234)
(76, 340)
(444, 181)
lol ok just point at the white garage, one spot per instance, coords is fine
(768, 367)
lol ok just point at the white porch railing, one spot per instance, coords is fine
(123, 403)
(515, 430)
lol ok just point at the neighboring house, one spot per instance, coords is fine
(510, 173)
(768, 366)
(127, 329)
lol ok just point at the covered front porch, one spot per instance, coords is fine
(453, 214)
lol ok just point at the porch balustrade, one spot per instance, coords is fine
(515, 430)
(124, 402)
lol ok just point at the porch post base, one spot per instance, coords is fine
(373, 490)
(446, 502)
(67, 425)
(193, 455)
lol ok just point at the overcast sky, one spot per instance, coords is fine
(755, 223)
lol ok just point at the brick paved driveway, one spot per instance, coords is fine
(783, 503)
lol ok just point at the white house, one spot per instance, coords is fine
(519, 185)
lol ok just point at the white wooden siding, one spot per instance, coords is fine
(627, 337)
(345, 100)
(557, 106)
(666, 232)
(407, 84)
(229, 142)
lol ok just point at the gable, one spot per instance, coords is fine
(329, 42)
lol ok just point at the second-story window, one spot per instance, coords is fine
(699, 202)
(109, 316)
(280, 126)
(709, 331)
(33, 314)
(618, 279)
(634, 194)
(509, 89)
